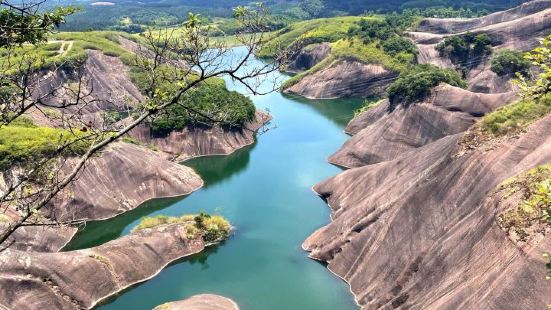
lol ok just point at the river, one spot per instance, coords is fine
(265, 191)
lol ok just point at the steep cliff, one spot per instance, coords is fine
(201, 140)
(308, 57)
(457, 25)
(381, 134)
(344, 78)
(122, 178)
(30, 280)
(421, 230)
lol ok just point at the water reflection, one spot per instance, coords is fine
(340, 111)
(99, 232)
(223, 168)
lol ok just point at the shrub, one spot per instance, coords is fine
(509, 62)
(417, 82)
(22, 142)
(534, 208)
(397, 45)
(212, 228)
(465, 47)
(516, 116)
(229, 107)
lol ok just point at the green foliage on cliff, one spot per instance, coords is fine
(22, 142)
(212, 228)
(308, 32)
(368, 104)
(466, 49)
(64, 49)
(208, 102)
(509, 62)
(534, 188)
(417, 82)
(516, 117)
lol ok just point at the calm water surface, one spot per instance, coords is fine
(265, 191)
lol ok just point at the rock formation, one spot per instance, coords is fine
(344, 78)
(420, 230)
(31, 280)
(202, 140)
(381, 134)
(520, 28)
(201, 302)
(415, 222)
(122, 178)
(308, 57)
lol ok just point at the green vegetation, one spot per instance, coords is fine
(229, 107)
(444, 8)
(417, 82)
(369, 103)
(540, 86)
(466, 49)
(509, 62)
(536, 102)
(75, 44)
(213, 228)
(390, 26)
(22, 142)
(515, 117)
(308, 32)
(534, 208)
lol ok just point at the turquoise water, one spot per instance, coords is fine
(265, 191)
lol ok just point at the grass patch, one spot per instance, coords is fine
(46, 55)
(515, 117)
(534, 208)
(309, 32)
(369, 103)
(353, 49)
(417, 82)
(213, 228)
(22, 142)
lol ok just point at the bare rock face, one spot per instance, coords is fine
(382, 134)
(345, 78)
(457, 25)
(122, 178)
(80, 279)
(308, 57)
(520, 28)
(420, 231)
(201, 302)
(200, 141)
(105, 78)
(42, 238)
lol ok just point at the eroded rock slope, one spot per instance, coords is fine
(420, 231)
(383, 133)
(80, 279)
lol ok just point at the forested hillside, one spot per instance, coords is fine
(135, 16)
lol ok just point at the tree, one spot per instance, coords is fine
(187, 61)
(417, 82)
(509, 62)
(540, 57)
(314, 8)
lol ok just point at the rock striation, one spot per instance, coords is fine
(308, 57)
(420, 231)
(202, 140)
(31, 280)
(201, 302)
(344, 78)
(119, 180)
(382, 134)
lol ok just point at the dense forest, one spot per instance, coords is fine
(133, 16)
